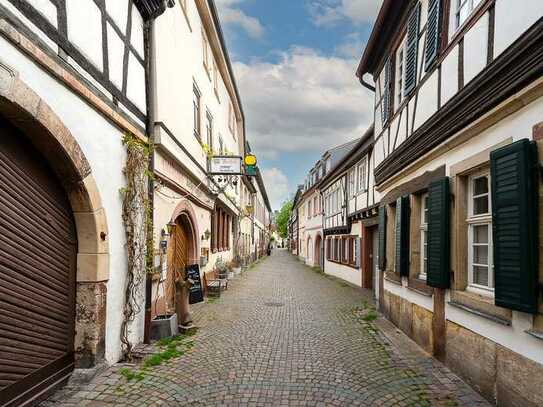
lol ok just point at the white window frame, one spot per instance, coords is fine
(480, 220)
(423, 236)
(361, 170)
(470, 4)
(197, 110)
(352, 182)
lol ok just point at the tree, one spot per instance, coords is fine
(282, 219)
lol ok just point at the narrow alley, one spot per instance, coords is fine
(284, 334)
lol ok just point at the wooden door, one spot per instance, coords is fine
(178, 257)
(38, 251)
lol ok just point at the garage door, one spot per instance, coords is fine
(37, 273)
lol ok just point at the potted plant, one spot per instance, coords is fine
(230, 270)
(222, 269)
(164, 326)
(236, 265)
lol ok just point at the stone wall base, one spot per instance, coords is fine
(500, 375)
(90, 324)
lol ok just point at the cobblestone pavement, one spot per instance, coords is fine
(282, 335)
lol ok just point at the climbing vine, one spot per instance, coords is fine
(137, 216)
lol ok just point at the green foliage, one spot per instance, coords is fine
(130, 374)
(282, 219)
(370, 316)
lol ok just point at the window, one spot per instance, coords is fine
(309, 212)
(424, 237)
(480, 268)
(221, 146)
(196, 107)
(362, 176)
(315, 206)
(464, 8)
(205, 50)
(400, 61)
(352, 183)
(216, 80)
(209, 131)
(231, 119)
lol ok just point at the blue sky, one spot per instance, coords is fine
(295, 63)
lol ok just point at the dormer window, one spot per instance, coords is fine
(464, 8)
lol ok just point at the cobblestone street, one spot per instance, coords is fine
(284, 334)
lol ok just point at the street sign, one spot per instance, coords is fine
(225, 165)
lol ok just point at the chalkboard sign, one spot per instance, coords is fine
(196, 293)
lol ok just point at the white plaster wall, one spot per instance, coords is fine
(449, 76)
(513, 18)
(410, 295)
(46, 9)
(85, 29)
(136, 83)
(178, 44)
(352, 275)
(118, 10)
(115, 57)
(475, 49)
(136, 35)
(427, 101)
(101, 144)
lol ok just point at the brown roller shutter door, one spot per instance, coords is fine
(38, 248)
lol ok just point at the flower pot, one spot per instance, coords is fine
(230, 275)
(164, 326)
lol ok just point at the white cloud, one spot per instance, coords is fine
(277, 186)
(306, 102)
(331, 12)
(352, 46)
(231, 15)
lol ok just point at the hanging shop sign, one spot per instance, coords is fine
(196, 292)
(225, 165)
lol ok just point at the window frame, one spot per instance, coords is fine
(475, 221)
(423, 235)
(472, 5)
(361, 169)
(399, 80)
(209, 130)
(205, 50)
(197, 111)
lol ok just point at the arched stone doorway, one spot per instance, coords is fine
(318, 251)
(34, 127)
(183, 250)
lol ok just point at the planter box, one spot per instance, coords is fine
(164, 326)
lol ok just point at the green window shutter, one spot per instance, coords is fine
(439, 234)
(433, 32)
(514, 180)
(385, 105)
(402, 236)
(412, 50)
(382, 237)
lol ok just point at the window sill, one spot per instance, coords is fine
(535, 334)
(419, 286)
(393, 278)
(482, 314)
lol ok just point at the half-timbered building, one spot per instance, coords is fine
(349, 220)
(458, 111)
(72, 88)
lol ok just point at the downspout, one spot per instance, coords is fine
(366, 84)
(150, 84)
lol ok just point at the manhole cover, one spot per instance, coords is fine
(274, 304)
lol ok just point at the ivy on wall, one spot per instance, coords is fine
(137, 218)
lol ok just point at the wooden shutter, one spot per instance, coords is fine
(382, 237)
(385, 104)
(412, 50)
(439, 234)
(433, 32)
(514, 180)
(402, 236)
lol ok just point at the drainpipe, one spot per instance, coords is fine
(150, 84)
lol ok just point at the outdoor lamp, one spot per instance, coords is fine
(170, 226)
